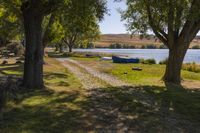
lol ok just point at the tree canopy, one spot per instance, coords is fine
(31, 16)
(174, 22)
(80, 23)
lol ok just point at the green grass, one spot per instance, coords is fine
(150, 75)
(64, 106)
(54, 109)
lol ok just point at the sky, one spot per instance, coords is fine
(112, 23)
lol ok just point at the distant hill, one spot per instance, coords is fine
(107, 39)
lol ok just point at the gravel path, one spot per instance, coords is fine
(82, 72)
(88, 80)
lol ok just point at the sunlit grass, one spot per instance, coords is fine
(64, 106)
(151, 74)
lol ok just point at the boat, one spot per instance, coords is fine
(118, 59)
(106, 58)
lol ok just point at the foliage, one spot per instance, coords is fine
(174, 22)
(196, 47)
(143, 15)
(148, 61)
(162, 46)
(120, 46)
(149, 46)
(10, 23)
(163, 62)
(80, 22)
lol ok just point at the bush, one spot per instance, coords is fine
(90, 45)
(116, 46)
(163, 62)
(163, 46)
(196, 47)
(149, 46)
(148, 61)
(192, 67)
(143, 47)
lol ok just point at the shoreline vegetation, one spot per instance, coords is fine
(131, 46)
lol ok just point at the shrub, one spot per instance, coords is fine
(148, 61)
(163, 46)
(163, 62)
(90, 45)
(132, 47)
(143, 47)
(116, 46)
(149, 46)
(192, 67)
(196, 47)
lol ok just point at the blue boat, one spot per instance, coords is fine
(117, 59)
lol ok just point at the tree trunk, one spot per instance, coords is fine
(33, 67)
(70, 49)
(174, 64)
(60, 48)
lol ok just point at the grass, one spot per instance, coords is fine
(192, 67)
(64, 106)
(54, 107)
(150, 75)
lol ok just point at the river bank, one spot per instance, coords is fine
(157, 54)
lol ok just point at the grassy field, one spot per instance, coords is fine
(150, 75)
(54, 109)
(65, 106)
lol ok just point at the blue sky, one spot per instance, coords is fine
(112, 23)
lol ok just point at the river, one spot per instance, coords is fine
(157, 54)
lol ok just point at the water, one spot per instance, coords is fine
(157, 54)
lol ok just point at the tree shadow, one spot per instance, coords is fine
(145, 109)
(52, 75)
(125, 109)
(11, 67)
(56, 55)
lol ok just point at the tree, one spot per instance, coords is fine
(9, 25)
(32, 13)
(174, 22)
(80, 23)
(52, 30)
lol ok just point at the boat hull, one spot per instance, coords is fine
(117, 59)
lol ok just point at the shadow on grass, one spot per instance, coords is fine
(57, 55)
(139, 109)
(16, 68)
(52, 75)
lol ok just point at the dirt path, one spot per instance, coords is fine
(85, 74)
(125, 109)
(88, 81)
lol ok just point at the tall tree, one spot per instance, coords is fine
(80, 22)
(9, 25)
(33, 13)
(174, 22)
